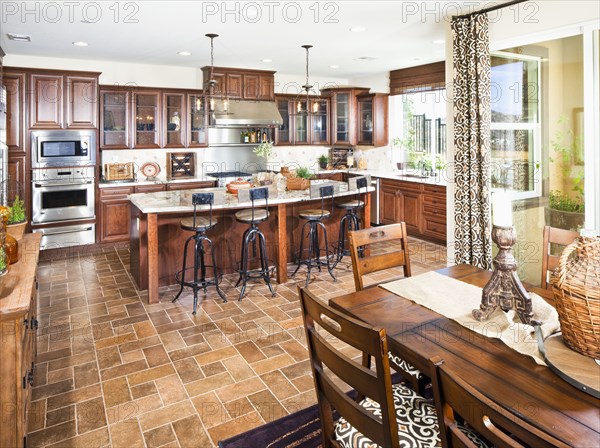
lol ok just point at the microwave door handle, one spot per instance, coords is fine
(60, 232)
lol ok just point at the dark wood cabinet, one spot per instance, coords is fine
(146, 109)
(46, 107)
(372, 119)
(82, 102)
(421, 206)
(114, 214)
(15, 112)
(174, 120)
(240, 83)
(196, 122)
(115, 119)
(303, 123)
(344, 113)
(150, 188)
(189, 185)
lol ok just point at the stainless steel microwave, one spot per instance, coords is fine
(63, 148)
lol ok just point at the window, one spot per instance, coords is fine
(515, 124)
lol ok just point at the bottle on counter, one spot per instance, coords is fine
(350, 159)
(253, 136)
(264, 136)
(242, 136)
(247, 136)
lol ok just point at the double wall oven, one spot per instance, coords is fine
(63, 181)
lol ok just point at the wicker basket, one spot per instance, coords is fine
(576, 287)
(297, 183)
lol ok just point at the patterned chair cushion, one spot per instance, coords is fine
(416, 418)
(408, 368)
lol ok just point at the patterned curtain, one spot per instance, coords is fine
(471, 56)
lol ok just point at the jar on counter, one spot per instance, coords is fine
(350, 159)
(361, 162)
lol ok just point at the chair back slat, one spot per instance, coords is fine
(323, 325)
(363, 264)
(453, 395)
(553, 238)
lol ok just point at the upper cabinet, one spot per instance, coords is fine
(372, 119)
(241, 83)
(15, 111)
(63, 100)
(150, 118)
(344, 114)
(303, 123)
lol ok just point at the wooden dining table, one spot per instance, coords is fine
(512, 380)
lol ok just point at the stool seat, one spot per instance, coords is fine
(350, 204)
(314, 214)
(245, 216)
(202, 223)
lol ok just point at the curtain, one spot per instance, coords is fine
(471, 59)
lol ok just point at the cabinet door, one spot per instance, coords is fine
(411, 212)
(147, 119)
(251, 87)
(282, 134)
(173, 120)
(266, 87)
(115, 119)
(319, 117)
(114, 218)
(82, 102)
(389, 199)
(342, 119)
(15, 102)
(46, 107)
(301, 122)
(16, 179)
(365, 121)
(233, 82)
(221, 84)
(196, 122)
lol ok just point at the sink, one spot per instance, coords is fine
(416, 176)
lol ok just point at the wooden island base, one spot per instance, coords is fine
(157, 241)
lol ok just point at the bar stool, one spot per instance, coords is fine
(253, 217)
(314, 219)
(199, 225)
(351, 220)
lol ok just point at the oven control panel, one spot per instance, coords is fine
(72, 174)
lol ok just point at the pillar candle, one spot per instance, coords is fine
(502, 209)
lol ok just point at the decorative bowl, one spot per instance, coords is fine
(234, 186)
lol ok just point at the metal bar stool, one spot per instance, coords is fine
(351, 220)
(314, 218)
(199, 225)
(253, 217)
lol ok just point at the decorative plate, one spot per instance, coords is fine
(150, 169)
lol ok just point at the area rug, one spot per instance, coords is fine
(301, 429)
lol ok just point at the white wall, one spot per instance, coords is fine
(379, 83)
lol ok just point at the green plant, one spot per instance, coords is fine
(2, 259)
(17, 211)
(440, 162)
(303, 172)
(264, 149)
(323, 159)
(566, 146)
(562, 201)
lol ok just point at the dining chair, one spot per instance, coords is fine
(467, 418)
(363, 264)
(389, 415)
(550, 256)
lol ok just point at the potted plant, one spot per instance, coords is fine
(300, 180)
(566, 210)
(323, 161)
(264, 149)
(17, 221)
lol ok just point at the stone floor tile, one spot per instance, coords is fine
(190, 432)
(166, 414)
(116, 391)
(126, 434)
(159, 436)
(210, 409)
(171, 389)
(86, 374)
(143, 390)
(90, 415)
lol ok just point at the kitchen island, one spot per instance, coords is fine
(156, 240)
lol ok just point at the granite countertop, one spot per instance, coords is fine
(158, 181)
(181, 200)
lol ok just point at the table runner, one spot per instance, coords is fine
(456, 300)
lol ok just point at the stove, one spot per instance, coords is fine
(224, 177)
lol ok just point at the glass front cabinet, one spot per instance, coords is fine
(197, 119)
(174, 120)
(147, 119)
(304, 123)
(114, 119)
(372, 119)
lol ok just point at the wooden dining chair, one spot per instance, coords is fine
(550, 255)
(467, 418)
(363, 264)
(389, 414)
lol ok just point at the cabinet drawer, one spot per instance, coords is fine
(434, 213)
(435, 229)
(149, 188)
(436, 189)
(112, 192)
(437, 202)
(189, 185)
(410, 186)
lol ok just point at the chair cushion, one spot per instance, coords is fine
(260, 214)
(202, 223)
(313, 214)
(416, 418)
(350, 204)
(408, 368)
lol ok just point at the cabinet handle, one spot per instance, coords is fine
(28, 379)
(35, 324)
(26, 323)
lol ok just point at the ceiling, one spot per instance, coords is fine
(397, 35)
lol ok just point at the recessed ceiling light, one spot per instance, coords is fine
(19, 37)
(416, 59)
(439, 41)
(80, 43)
(358, 29)
(365, 58)
(266, 60)
(184, 53)
(334, 66)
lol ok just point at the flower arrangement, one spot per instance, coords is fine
(17, 210)
(264, 149)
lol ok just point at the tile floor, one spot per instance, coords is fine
(114, 371)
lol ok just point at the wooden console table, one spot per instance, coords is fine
(18, 325)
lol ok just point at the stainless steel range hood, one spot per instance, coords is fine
(246, 113)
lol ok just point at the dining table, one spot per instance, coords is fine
(510, 379)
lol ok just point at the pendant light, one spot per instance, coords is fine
(210, 100)
(307, 89)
